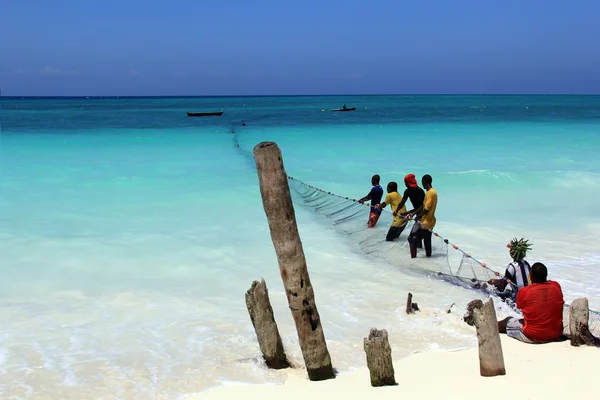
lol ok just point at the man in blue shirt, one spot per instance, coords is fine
(375, 196)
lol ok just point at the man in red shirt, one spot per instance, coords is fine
(542, 306)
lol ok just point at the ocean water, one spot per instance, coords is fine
(130, 232)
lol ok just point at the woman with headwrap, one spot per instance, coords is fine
(518, 272)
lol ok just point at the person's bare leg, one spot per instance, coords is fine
(502, 325)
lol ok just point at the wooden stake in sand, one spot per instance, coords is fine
(279, 209)
(491, 359)
(410, 306)
(263, 320)
(379, 358)
(578, 324)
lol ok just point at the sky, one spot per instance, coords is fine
(260, 47)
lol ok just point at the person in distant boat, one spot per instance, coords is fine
(416, 196)
(425, 218)
(393, 198)
(375, 196)
(517, 274)
(542, 305)
(344, 108)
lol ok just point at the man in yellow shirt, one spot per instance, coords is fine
(427, 216)
(393, 198)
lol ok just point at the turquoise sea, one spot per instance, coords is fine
(129, 232)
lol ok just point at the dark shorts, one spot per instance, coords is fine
(394, 233)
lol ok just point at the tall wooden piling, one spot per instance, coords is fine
(277, 203)
(491, 359)
(263, 320)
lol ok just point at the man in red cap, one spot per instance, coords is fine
(416, 196)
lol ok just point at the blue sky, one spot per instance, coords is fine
(185, 47)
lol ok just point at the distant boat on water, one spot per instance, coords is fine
(205, 114)
(344, 108)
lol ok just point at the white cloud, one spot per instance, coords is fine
(180, 73)
(18, 71)
(47, 70)
(134, 72)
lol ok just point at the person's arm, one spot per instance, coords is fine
(419, 211)
(367, 197)
(381, 205)
(501, 283)
(402, 203)
(509, 275)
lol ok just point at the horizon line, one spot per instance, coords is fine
(286, 95)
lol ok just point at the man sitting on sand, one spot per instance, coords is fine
(375, 196)
(393, 198)
(517, 273)
(542, 305)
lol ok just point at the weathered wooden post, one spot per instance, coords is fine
(379, 358)
(277, 203)
(263, 320)
(410, 306)
(491, 359)
(579, 315)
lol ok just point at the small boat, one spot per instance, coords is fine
(205, 114)
(344, 109)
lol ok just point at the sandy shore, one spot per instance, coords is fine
(550, 371)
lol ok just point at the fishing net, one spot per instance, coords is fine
(448, 262)
(350, 217)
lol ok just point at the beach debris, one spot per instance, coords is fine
(579, 314)
(449, 308)
(279, 209)
(263, 321)
(379, 358)
(410, 306)
(491, 359)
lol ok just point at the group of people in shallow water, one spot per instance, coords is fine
(539, 299)
(424, 203)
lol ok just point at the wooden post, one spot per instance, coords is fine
(579, 315)
(491, 359)
(379, 358)
(277, 203)
(263, 320)
(410, 306)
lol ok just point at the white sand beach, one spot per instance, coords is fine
(549, 371)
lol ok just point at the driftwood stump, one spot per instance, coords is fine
(263, 320)
(410, 306)
(277, 203)
(379, 358)
(579, 315)
(491, 359)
